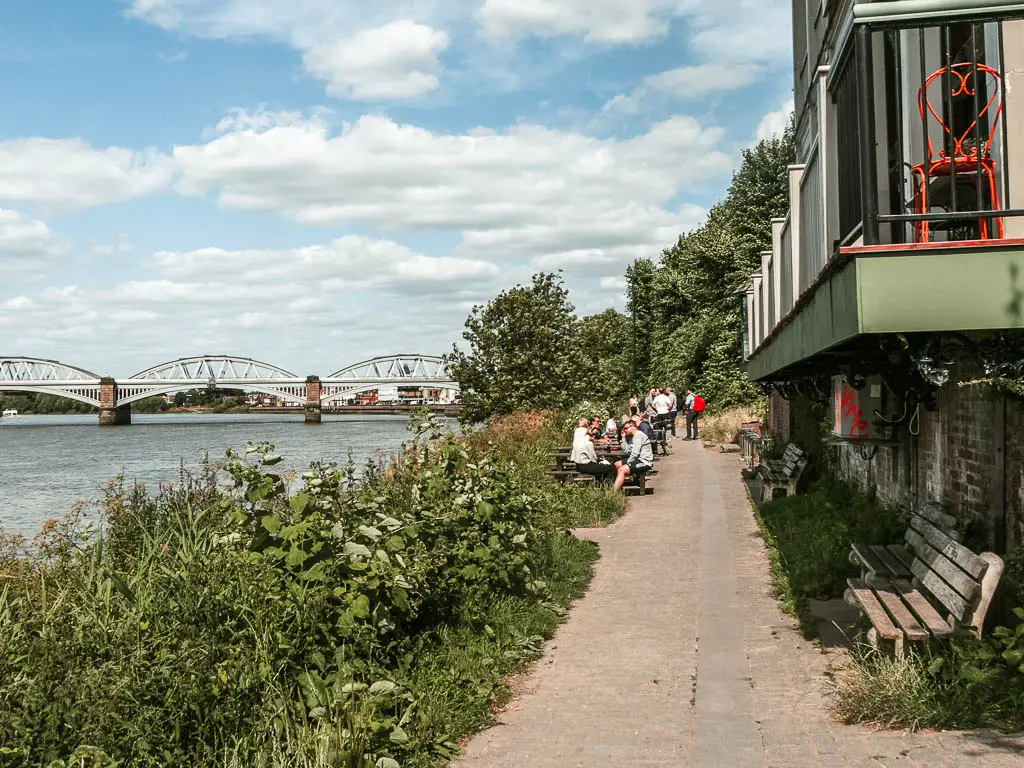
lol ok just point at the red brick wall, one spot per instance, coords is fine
(778, 417)
(954, 459)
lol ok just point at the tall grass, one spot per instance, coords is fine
(813, 532)
(724, 427)
(235, 619)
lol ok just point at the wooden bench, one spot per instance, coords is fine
(928, 589)
(782, 473)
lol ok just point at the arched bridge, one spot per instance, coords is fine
(114, 396)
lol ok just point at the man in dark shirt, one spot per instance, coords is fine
(644, 426)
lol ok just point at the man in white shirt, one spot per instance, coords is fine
(662, 404)
(673, 409)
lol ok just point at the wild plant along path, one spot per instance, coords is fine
(679, 655)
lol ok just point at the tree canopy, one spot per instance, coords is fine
(527, 348)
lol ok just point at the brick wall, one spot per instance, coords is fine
(778, 417)
(954, 459)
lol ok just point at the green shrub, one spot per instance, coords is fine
(290, 623)
(963, 684)
(814, 531)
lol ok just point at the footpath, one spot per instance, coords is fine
(679, 656)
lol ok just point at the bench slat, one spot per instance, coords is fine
(896, 567)
(940, 589)
(925, 611)
(955, 551)
(936, 515)
(869, 560)
(901, 554)
(965, 586)
(887, 594)
(873, 609)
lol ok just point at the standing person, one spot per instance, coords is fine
(694, 408)
(634, 406)
(662, 404)
(673, 409)
(650, 398)
(585, 457)
(641, 455)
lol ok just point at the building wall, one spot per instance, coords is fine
(779, 417)
(968, 454)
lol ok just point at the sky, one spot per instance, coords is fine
(312, 183)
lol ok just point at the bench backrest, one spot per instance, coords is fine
(962, 582)
(793, 460)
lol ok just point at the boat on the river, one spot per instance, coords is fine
(10, 412)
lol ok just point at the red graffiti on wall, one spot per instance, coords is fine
(850, 411)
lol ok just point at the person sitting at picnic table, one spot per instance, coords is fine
(641, 454)
(611, 428)
(585, 456)
(644, 425)
(596, 431)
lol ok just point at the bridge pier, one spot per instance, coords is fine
(112, 414)
(313, 408)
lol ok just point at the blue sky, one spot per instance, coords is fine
(315, 182)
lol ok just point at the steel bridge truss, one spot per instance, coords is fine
(24, 374)
(413, 371)
(49, 377)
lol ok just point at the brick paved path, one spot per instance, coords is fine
(679, 656)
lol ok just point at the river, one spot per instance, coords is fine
(49, 462)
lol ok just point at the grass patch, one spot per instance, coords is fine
(724, 427)
(243, 618)
(465, 668)
(808, 538)
(585, 506)
(966, 684)
(813, 533)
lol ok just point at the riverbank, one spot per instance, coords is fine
(452, 410)
(333, 621)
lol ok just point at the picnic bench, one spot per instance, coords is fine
(782, 473)
(926, 589)
(565, 470)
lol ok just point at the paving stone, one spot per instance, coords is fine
(682, 592)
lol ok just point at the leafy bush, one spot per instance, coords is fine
(277, 623)
(814, 531)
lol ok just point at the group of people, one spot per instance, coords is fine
(634, 434)
(662, 406)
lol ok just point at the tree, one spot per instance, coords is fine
(686, 306)
(603, 350)
(521, 351)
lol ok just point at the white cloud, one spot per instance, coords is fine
(774, 123)
(524, 191)
(606, 21)
(396, 61)
(70, 174)
(740, 31)
(692, 83)
(313, 308)
(346, 264)
(26, 244)
(363, 51)
(18, 302)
